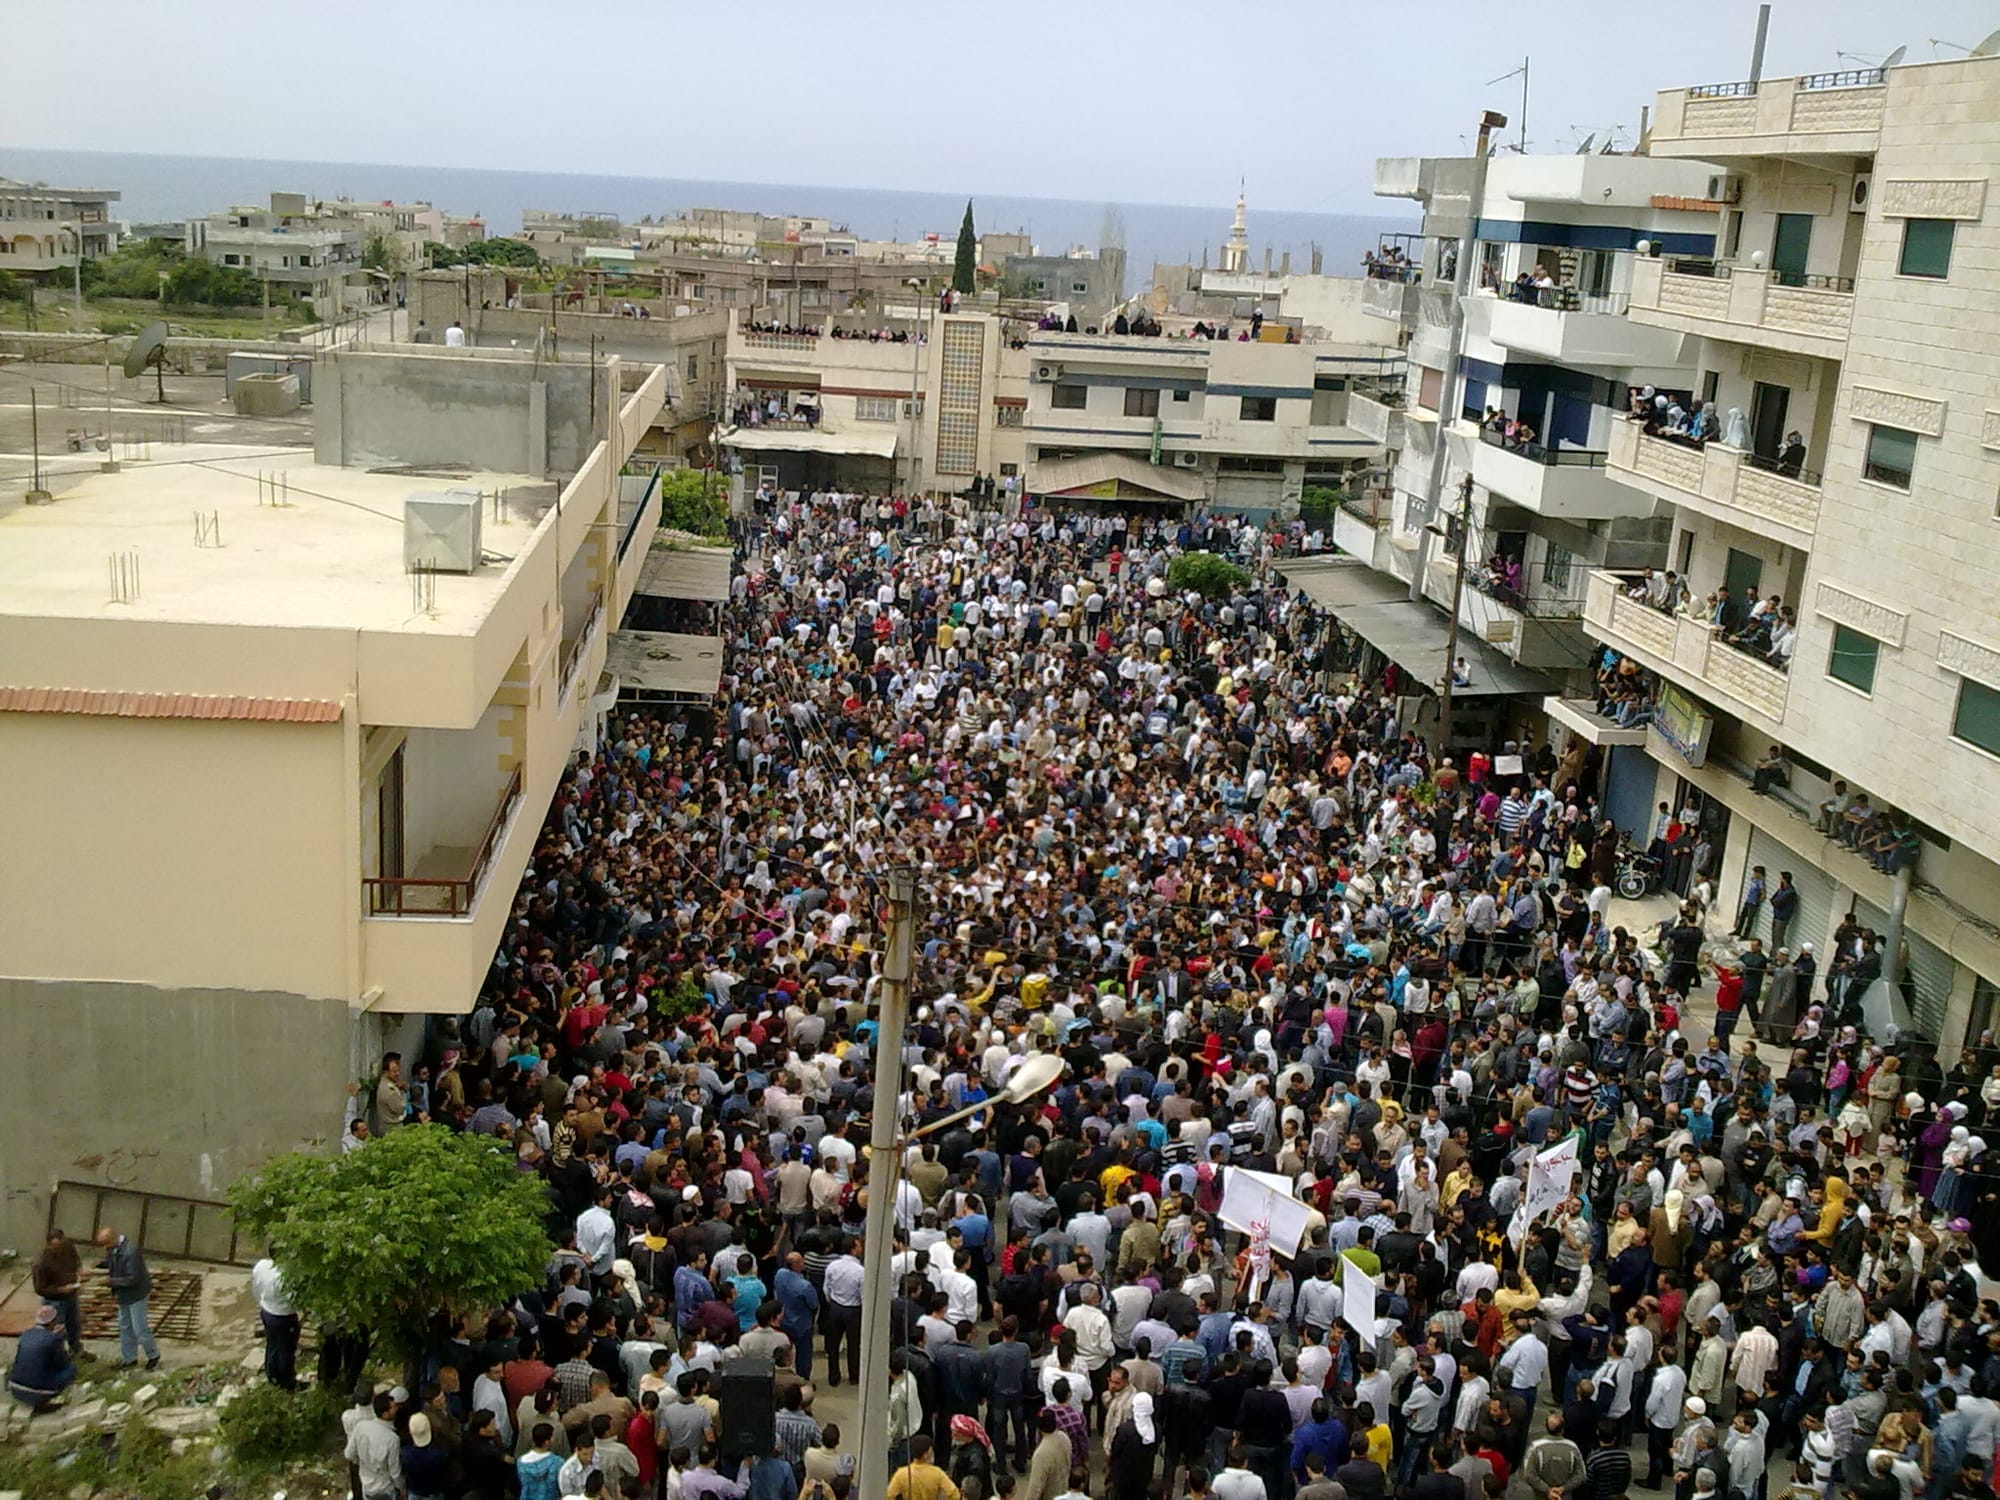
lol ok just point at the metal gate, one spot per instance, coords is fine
(1814, 921)
(158, 1223)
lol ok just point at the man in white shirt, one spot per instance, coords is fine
(375, 1451)
(1522, 1368)
(454, 336)
(281, 1324)
(1094, 1347)
(597, 1235)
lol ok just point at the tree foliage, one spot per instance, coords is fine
(965, 264)
(132, 270)
(499, 252)
(695, 500)
(1209, 575)
(382, 253)
(420, 1221)
(200, 281)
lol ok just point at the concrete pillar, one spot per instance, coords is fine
(1957, 1014)
(536, 460)
(1733, 873)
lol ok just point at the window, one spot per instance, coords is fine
(1140, 403)
(1182, 396)
(914, 408)
(1926, 247)
(1068, 397)
(1977, 720)
(1555, 568)
(692, 365)
(1260, 409)
(1892, 456)
(232, 260)
(1009, 416)
(1234, 464)
(1079, 288)
(1852, 659)
(874, 408)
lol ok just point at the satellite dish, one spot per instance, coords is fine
(149, 350)
(1893, 58)
(1588, 141)
(1988, 47)
(145, 349)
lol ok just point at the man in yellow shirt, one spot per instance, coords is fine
(920, 1479)
(1516, 1293)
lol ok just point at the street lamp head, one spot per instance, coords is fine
(1493, 120)
(1032, 1077)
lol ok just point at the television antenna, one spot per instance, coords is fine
(1522, 74)
(149, 351)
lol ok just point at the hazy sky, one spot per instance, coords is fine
(1137, 100)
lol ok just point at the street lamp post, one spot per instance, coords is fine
(1451, 628)
(1448, 395)
(879, 1244)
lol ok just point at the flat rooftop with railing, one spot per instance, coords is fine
(221, 535)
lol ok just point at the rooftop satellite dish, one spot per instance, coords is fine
(149, 350)
(1988, 47)
(1588, 141)
(1893, 58)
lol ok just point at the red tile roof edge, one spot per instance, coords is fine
(86, 701)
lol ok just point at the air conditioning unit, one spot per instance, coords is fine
(1725, 187)
(1187, 460)
(441, 531)
(1857, 200)
(1048, 372)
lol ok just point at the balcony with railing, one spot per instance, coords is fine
(1760, 495)
(1747, 304)
(1686, 650)
(576, 647)
(450, 877)
(1558, 480)
(1376, 412)
(1576, 328)
(1836, 114)
(1537, 627)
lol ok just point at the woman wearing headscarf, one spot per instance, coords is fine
(1133, 1448)
(1952, 1195)
(1931, 1147)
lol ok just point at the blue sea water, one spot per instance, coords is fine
(169, 189)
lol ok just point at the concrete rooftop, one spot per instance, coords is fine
(332, 558)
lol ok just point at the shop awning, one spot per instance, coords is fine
(1413, 635)
(880, 444)
(1581, 718)
(658, 661)
(685, 573)
(1112, 476)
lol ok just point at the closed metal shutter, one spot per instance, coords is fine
(1815, 919)
(1931, 971)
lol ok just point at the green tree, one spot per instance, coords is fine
(695, 500)
(199, 281)
(965, 264)
(1208, 575)
(502, 252)
(421, 1221)
(381, 253)
(442, 256)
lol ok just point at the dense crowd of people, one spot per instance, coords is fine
(1175, 840)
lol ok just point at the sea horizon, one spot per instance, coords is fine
(165, 188)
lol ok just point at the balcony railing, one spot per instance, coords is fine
(1686, 646)
(432, 896)
(573, 653)
(1569, 458)
(1744, 90)
(1852, 78)
(1759, 494)
(1569, 299)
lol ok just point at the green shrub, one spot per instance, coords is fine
(1208, 575)
(269, 1426)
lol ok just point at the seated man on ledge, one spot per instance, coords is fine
(42, 1369)
(1770, 771)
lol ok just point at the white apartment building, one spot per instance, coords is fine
(1546, 344)
(1851, 300)
(319, 265)
(1236, 426)
(45, 228)
(270, 792)
(932, 412)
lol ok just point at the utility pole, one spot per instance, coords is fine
(1451, 630)
(1448, 394)
(883, 1163)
